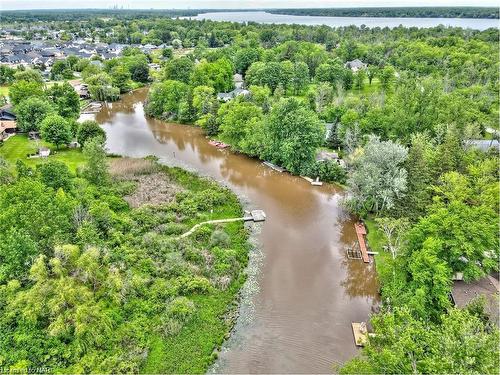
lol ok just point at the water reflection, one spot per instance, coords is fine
(309, 292)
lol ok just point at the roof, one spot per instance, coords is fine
(484, 144)
(357, 63)
(326, 155)
(463, 293)
(7, 125)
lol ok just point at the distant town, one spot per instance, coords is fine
(42, 52)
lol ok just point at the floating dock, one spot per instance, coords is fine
(361, 232)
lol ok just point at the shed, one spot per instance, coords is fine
(43, 152)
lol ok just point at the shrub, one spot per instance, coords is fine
(220, 238)
(90, 129)
(181, 308)
(328, 171)
(194, 285)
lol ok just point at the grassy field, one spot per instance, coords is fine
(4, 91)
(376, 242)
(367, 88)
(17, 147)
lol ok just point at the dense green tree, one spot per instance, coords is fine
(21, 90)
(31, 112)
(237, 121)
(300, 77)
(96, 170)
(378, 178)
(403, 345)
(5, 172)
(56, 129)
(463, 226)
(359, 79)
(386, 76)
(65, 99)
(55, 174)
(6, 74)
(29, 75)
(178, 69)
(204, 99)
(61, 69)
(217, 74)
(120, 76)
(293, 134)
(246, 57)
(90, 129)
(164, 98)
(42, 214)
(101, 88)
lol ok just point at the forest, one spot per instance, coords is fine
(405, 124)
(85, 14)
(423, 12)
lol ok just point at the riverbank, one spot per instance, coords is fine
(301, 250)
(201, 275)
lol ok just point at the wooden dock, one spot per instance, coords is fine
(361, 232)
(360, 333)
(255, 216)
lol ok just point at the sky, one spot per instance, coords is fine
(231, 4)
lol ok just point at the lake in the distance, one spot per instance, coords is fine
(265, 17)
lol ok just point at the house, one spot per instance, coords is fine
(7, 128)
(7, 114)
(14, 59)
(464, 293)
(227, 96)
(48, 52)
(238, 81)
(483, 144)
(355, 65)
(326, 156)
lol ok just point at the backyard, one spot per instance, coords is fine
(19, 146)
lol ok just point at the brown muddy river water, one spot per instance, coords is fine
(297, 311)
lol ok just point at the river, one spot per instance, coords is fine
(308, 291)
(391, 22)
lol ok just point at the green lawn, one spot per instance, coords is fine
(18, 146)
(4, 91)
(367, 88)
(376, 242)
